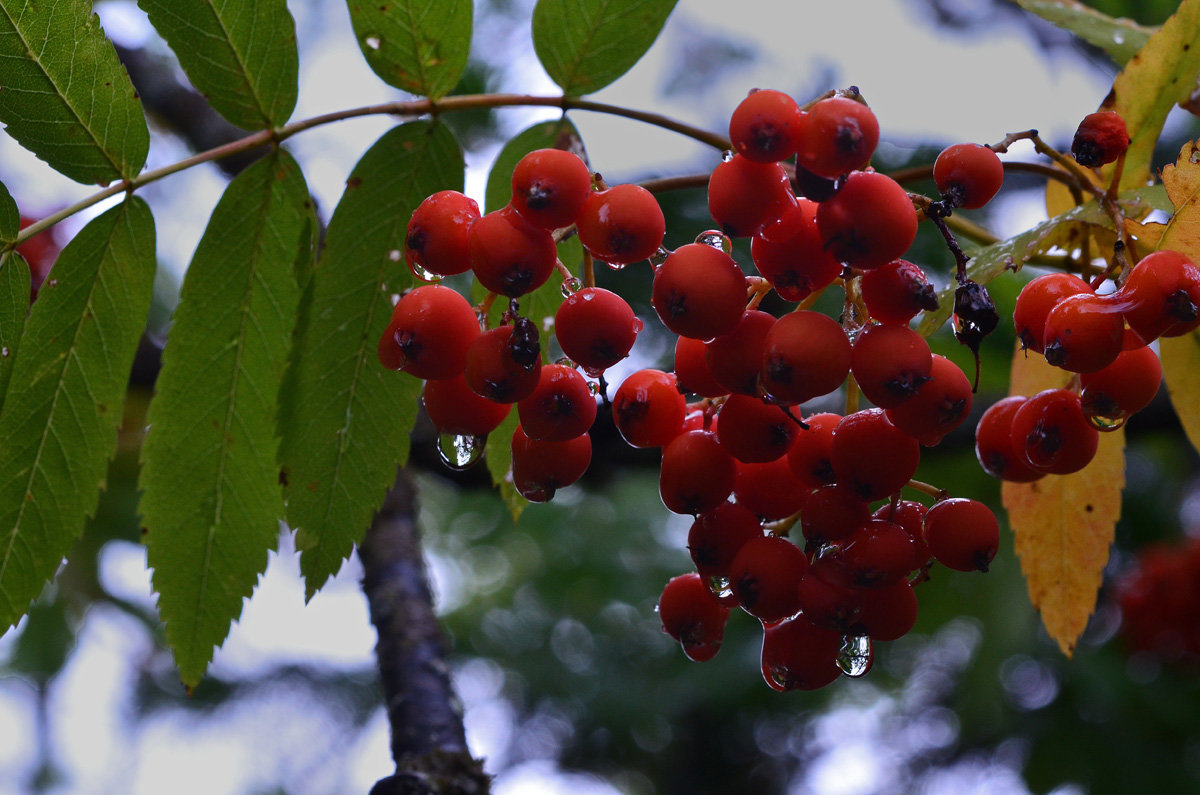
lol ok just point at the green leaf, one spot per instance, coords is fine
(1120, 38)
(587, 44)
(554, 134)
(990, 261)
(241, 56)
(59, 424)
(64, 95)
(498, 454)
(350, 424)
(211, 498)
(14, 306)
(10, 216)
(418, 46)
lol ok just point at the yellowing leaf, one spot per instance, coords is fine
(1160, 75)
(1181, 372)
(1063, 525)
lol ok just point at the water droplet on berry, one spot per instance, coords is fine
(459, 451)
(1105, 424)
(716, 239)
(659, 257)
(727, 155)
(638, 325)
(593, 387)
(780, 677)
(422, 275)
(571, 286)
(616, 266)
(722, 587)
(373, 42)
(855, 655)
(565, 362)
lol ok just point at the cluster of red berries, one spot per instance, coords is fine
(1103, 339)
(475, 375)
(1160, 602)
(740, 457)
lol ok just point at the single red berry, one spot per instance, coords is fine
(1161, 296)
(429, 333)
(734, 358)
(888, 613)
(827, 596)
(1121, 389)
(716, 536)
(837, 135)
(790, 253)
(969, 175)
(596, 328)
(896, 292)
(504, 363)
(940, 405)
(540, 468)
(765, 575)
(691, 369)
(550, 186)
(1037, 299)
(890, 363)
(1053, 434)
(744, 196)
(699, 292)
(561, 407)
(648, 408)
(871, 455)
(910, 515)
(962, 534)
(804, 355)
(755, 432)
(1084, 333)
(832, 513)
(770, 489)
(809, 454)
(1000, 453)
(869, 222)
(692, 616)
(696, 474)
(621, 225)
(765, 126)
(436, 241)
(878, 554)
(796, 655)
(509, 255)
(1101, 138)
(455, 409)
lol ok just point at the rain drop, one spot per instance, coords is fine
(4, 352)
(855, 655)
(722, 587)
(419, 273)
(727, 155)
(459, 451)
(373, 42)
(1105, 424)
(571, 286)
(659, 257)
(716, 239)
(394, 255)
(616, 266)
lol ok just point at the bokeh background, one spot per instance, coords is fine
(568, 683)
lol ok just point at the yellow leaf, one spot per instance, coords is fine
(1160, 75)
(1063, 525)
(1181, 355)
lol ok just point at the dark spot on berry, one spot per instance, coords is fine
(1180, 307)
(539, 197)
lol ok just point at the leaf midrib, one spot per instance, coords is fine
(240, 61)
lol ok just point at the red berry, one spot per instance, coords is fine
(969, 175)
(716, 536)
(804, 355)
(1037, 299)
(697, 474)
(755, 432)
(691, 369)
(999, 452)
(429, 333)
(910, 515)
(1053, 434)
(549, 187)
(734, 359)
(1122, 388)
(621, 225)
(940, 405)
(648, 408)
(561, 407)
(765, 576)
(765, 126)
(503, 364)
(455, 409)
(699, 292)
(896, 292)
(837, 135)
(809, 454)
(791, 255)
(962, 534)
(770, 489)
(796, 655)
(872, 456)
(869, 222)
(692, 616)
(436, 241)
(890, 364)
(832, 513)
(540, 467)
(1161, 296)
(744, 196)
(888, 613)
(1101, 138)
(827, 597)
(509, 255)
(1083, 333)
(878, 554)
(596, 328)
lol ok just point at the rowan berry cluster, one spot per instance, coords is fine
(1160, 603)
(741, 456)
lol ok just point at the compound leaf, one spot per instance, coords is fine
(419, 46)
(349, 427)
(64, 95)
(1063, 525)
(241, 56)
(14, 306)
(211, 498)
(587, 44)
(59, 424)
